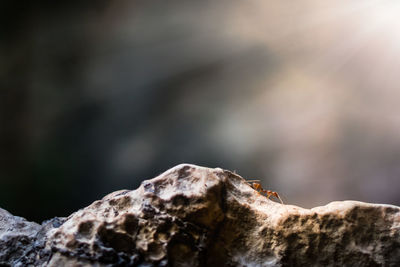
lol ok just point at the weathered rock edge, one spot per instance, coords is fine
(196, 216)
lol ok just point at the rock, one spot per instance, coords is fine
(22, 242)
(16, 239)
(195, 216)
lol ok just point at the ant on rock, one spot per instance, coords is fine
(256, 185)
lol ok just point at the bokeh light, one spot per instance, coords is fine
(97, 97)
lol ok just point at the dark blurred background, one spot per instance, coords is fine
(98, 96)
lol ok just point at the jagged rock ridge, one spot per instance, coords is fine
(196, 216)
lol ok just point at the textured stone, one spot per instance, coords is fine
(195, 216)
(16, 238)
(22, 242)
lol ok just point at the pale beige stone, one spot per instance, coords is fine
(195, 216)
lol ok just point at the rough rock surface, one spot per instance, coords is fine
(16, 238)
(21, 242)
(195, 216)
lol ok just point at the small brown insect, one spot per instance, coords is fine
(255, 184)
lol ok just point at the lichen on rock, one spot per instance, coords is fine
(196, 216)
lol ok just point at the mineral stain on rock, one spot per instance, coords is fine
(196, 216)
